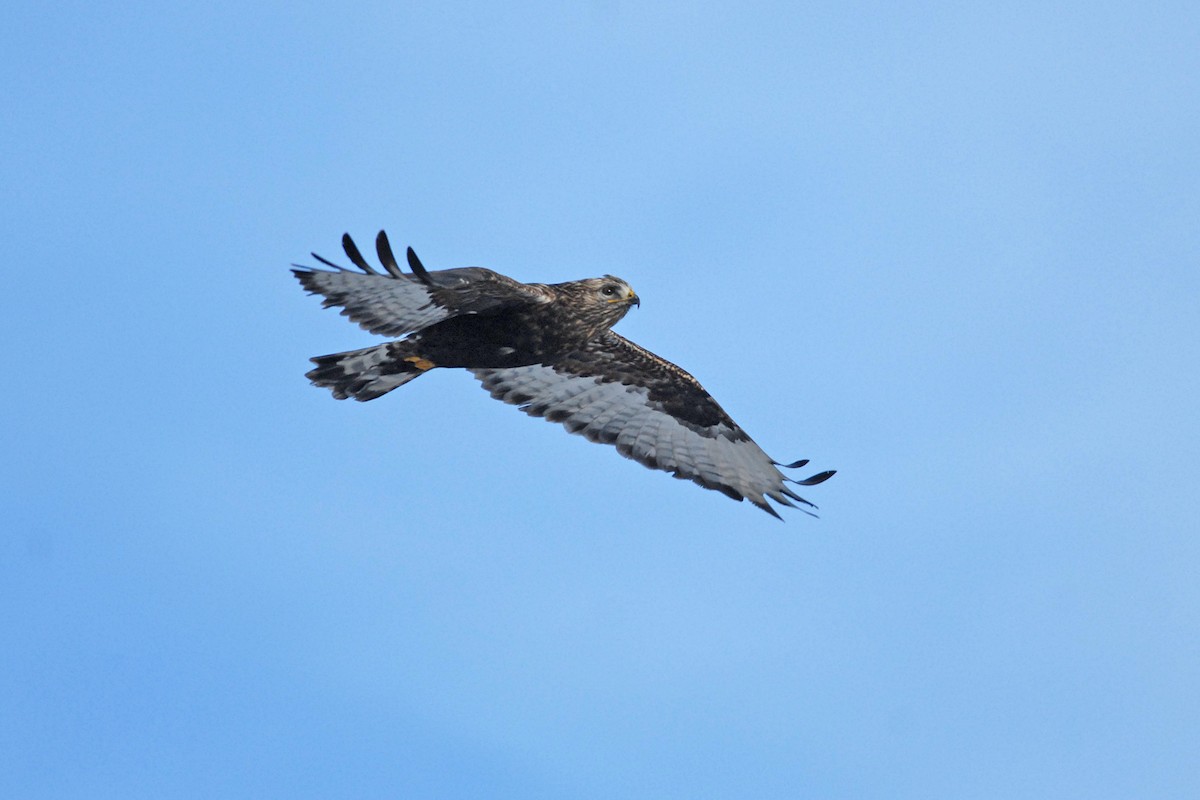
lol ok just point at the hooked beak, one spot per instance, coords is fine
(630, 299)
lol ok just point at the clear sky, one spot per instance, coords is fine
(951, 250)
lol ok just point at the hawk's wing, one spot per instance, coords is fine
(614, 392)
(399, 302)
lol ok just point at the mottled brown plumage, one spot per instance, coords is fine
(548, 349)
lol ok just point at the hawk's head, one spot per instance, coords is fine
(612, 290)
(598, 303)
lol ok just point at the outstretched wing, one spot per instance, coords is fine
(398, 303)
(615, 392)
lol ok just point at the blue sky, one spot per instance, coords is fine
(951, 250)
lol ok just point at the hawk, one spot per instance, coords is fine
(548, 349)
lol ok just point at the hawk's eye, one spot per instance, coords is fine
(609, 290)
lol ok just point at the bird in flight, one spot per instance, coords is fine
(548, 349)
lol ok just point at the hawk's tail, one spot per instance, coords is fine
(368, 373)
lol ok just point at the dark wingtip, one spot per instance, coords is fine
(418, 268)
(797, 497)
(386, 256)
(327, 263)
(820, 477)
(793, 465)
(354, 255)
(767, 508)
